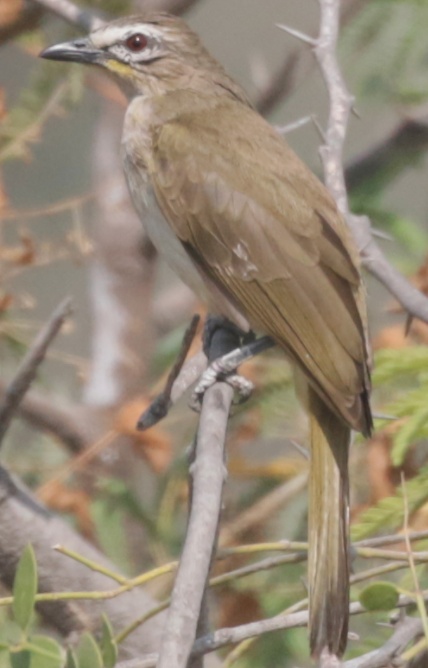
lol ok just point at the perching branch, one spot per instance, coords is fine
(208, 473)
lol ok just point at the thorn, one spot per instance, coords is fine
(408, 324)
(381, 234)
(355, 112)
(290, 127)
(383, 416)
(299, 35)
(319, 129)
(300, 448)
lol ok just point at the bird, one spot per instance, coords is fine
(258, 237)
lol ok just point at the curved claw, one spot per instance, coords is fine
(211, 375)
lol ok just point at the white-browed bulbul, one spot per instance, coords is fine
(258, 237)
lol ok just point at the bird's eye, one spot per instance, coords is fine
(137, 42)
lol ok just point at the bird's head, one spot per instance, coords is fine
(147, 54)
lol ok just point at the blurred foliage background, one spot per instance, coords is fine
(66, 227)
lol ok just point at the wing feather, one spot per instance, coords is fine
(266, 231)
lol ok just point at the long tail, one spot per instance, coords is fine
(328, 529)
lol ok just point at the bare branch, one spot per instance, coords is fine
(39, 410)
(331, 153)
(412, 299)
(161, 404)
(404, 633)
(208, 476)
(228, 636)
(28, 368)
(340, 102)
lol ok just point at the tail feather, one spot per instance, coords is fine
(328, 529)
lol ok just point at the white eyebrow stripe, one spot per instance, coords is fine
(110, 35)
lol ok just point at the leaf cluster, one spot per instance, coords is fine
(41, 651)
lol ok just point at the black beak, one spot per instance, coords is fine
(77, 50)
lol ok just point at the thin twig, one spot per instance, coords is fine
(340, 102)
(405, 631)
(411, 557)
(227, 636)
(160, 406)
(28, 367)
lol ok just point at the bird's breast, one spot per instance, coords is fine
(136, 155)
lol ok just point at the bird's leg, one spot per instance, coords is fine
(227, 347)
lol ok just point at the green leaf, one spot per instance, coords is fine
(388, 513)
(20, 659)
(25, 588)
(45, 652)
(379, 596)
(88, 652)
(71, 660)
(408, 434)
(108, 644)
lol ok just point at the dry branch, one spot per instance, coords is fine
(162, 403)
(415, 303)
(27, 370)
(208, 472)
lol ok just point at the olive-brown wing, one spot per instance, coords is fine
(269, 246)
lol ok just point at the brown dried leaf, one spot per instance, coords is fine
(65, 499)
(9, 11)
(25, 254)
(3, 109)
(380, 467)
(248, 429)
(238, 608)
(5, 302)
(391, 337)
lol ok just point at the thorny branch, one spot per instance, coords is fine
(415, 303)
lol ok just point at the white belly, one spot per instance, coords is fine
(135, 143)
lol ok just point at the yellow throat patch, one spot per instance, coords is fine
(122, 69)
